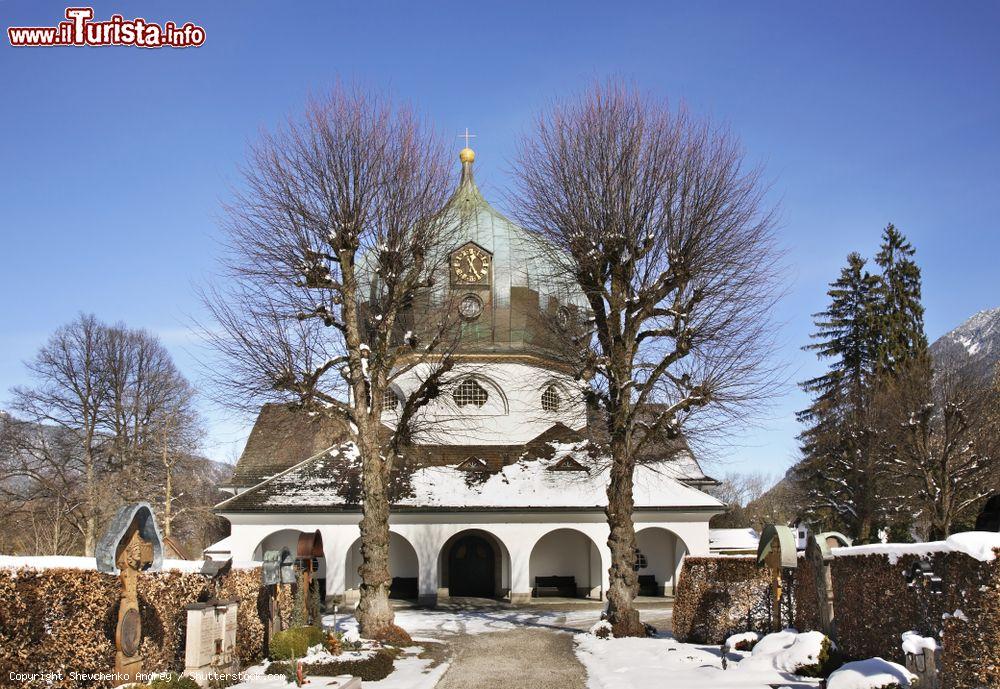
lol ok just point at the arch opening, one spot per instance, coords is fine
(659, 559)
(289, 538)
(566, 563)
(403, 568)
(474, 564)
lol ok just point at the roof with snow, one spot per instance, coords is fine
(329, 481)
(721, 540)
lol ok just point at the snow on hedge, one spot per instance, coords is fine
(980, 545)
(76, 562)
(746, 638)
(873, 673)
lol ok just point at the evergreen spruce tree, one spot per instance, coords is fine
(873, 334)
(902, 342)
(839, 469)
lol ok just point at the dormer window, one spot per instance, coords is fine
(473, 464)
(550, 398)
(567, 463)
(470, 392)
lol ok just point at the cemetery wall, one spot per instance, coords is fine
(874, 605)
(64, 619)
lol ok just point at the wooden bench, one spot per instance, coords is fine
(403, 587)
(555, 586)
(648, 586)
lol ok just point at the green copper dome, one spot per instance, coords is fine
(527, 296)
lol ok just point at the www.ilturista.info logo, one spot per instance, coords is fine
(79, 30)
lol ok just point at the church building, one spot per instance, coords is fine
(505, 497)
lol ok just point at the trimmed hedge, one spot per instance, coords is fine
(719, 596)
(372, 669)
(64, 620)
(874, 606)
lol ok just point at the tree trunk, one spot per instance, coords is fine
(623, 581)
(168, 494)
(90, 533)
(374, 612)
(168, 487)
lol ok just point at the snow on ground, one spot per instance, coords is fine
(869, 674)
(631, 663)
(784, 651)
(980, 545)
(411, 672)
(437, 624)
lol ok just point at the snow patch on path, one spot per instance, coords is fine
(631, 663)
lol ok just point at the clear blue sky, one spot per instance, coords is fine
(114, 161)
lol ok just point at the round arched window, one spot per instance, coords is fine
(550, 398)
(470, 392)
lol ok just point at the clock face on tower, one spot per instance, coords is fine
(470, 265)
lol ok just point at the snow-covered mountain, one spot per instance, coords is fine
(972, 347)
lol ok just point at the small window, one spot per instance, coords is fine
(389, 401)
(550, 399)
(470, 392)
(640, 560)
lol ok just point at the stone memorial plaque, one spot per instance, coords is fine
(210, 642)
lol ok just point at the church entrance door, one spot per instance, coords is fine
(471, 568)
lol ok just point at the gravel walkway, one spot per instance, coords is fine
(524, 658)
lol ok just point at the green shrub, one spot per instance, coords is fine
(827, 661)
(174, 681)
(294, 642)
(372, 669)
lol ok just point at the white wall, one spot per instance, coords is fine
(567, 552)
(428, 532)
(512, 415)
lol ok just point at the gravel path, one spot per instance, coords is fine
(524, 658)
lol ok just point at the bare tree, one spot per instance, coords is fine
(107, 405)
(334, 238)
(943, 444)
(70, 392)
(739, 491)
(668, 237)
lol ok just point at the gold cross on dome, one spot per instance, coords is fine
(467, 136)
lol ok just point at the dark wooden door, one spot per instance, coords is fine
(471, 568)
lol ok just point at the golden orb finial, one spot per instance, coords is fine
(467, 155)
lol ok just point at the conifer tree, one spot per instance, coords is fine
(840, 468)
(902, 341)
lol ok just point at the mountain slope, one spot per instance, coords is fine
(971, 348)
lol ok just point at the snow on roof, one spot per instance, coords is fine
(329, 480)
(981, 545)
(732, 539)
(223, 546)
(78, 562)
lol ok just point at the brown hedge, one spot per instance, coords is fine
(63, 620)
(806, 599)
(874, 606)
(719, 596)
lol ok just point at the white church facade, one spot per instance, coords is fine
(505, 498)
